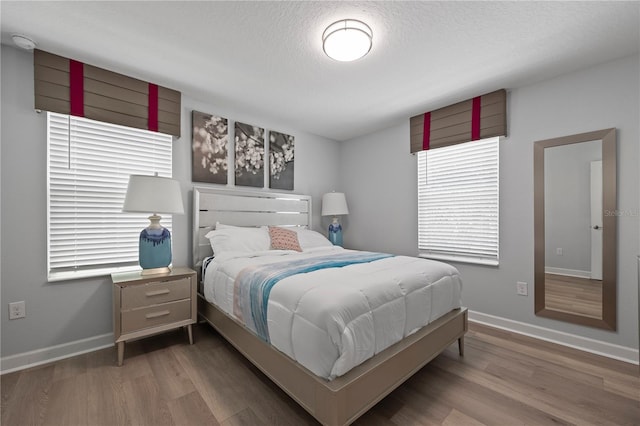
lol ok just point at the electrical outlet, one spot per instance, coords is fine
(16, 310)
(521, 288)
(559, 251)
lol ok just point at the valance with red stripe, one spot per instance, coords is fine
(67, 86)
(478, 118)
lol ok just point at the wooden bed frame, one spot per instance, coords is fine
(344, 399)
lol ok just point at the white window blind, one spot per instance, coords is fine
(458, 202)
(89, 163)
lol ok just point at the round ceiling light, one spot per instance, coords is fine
(347, 40)
(23, 42)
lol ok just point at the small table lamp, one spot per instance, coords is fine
(154, 194)
(334, 204)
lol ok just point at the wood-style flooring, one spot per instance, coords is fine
(503, 379)
(580, 296)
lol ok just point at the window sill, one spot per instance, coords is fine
(91, 273)
(461, 259)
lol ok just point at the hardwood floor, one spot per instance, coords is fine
(580, 296)
(503, 379)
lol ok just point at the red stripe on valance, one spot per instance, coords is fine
(475, 119)
(76, 88)
(426, 135)
(153, 107)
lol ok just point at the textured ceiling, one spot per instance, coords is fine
(266, 58)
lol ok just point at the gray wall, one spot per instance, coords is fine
(378, 176)
(567, 207)
(63, 312)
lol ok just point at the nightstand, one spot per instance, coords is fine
(148, 304)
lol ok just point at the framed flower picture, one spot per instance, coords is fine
(209, 145)
(249, 149)
(281, 160)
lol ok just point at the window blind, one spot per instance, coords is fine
(458, 202)
(89, 163)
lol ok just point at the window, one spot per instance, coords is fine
(89, 163)
(458, 202)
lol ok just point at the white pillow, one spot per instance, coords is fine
(223, 226)
(238, 239)
(311, 239)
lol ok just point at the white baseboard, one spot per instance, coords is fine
(586, 344)
(25, 360)
(568, 272)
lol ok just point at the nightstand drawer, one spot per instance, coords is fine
(151, 316)
(135, 296)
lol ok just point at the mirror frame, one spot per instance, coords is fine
(609, 231)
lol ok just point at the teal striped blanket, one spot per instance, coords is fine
(253, 284)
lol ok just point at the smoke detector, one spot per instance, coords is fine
(23, 42)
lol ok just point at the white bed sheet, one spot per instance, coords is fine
(334, 319)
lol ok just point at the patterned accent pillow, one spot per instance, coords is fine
(283, 239)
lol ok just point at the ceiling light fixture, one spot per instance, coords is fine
(347, 40)
(23, 42)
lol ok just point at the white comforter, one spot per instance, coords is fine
(334, 319)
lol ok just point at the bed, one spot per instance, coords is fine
(334, 391)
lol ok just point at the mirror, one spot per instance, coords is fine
(575, 228)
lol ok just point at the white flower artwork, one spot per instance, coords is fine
(210, 148)
(249, 149)
(281, 160)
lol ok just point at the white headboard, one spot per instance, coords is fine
(243, 208)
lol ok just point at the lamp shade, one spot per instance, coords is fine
(334, 204)
(153, 194)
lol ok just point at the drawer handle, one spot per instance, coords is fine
(158, 292)
(157, 314)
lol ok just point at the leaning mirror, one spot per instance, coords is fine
(575, 228)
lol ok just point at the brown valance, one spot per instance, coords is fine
(478, 118)
(70, 87)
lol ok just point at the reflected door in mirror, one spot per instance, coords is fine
(596, 219)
